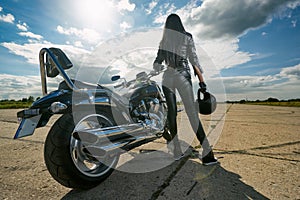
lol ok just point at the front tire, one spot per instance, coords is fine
(167, 134)
(65, 158)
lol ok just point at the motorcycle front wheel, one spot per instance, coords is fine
(167, 135)
(65, 157)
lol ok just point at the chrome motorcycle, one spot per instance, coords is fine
(96, 124)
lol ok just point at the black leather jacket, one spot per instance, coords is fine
(177, 50)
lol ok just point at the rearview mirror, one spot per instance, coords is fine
(115, 78)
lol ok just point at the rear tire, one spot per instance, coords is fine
(64, 156)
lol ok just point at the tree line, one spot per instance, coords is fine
(271, 100)
(12, 103)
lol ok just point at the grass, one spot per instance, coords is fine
(281, 103)
(14, 104)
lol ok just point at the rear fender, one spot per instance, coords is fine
(49, 105)
(41, 111)
(63, 101)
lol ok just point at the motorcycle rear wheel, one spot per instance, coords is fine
(65, 158)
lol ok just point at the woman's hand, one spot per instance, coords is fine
(202, 86)
(158, 67)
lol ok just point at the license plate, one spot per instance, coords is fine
(27, 126)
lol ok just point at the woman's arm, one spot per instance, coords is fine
(198, 73)
(202, 85)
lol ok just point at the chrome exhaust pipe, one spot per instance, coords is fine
(98, 152)
(98, 142)
(101, 151)
(93, 136)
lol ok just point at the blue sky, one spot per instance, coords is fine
(254, 46)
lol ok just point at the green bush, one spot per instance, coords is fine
(14, 104)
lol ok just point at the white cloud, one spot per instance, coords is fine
(152, 5)
(125, 5)
(294, 23)
(167, 8)
(30, 51)
(89, 35)
(264, 33)
(225, 18)
(224, 53)
(78, 44)
(217, 24)
(22, 26)
(259, 81)
(230, 18)
(9, 18)
(62, 30)
(293, 4)
(31, 35)
(125, 25)
(18, 87)
(291, 72)
(284, 85)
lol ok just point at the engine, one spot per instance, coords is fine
(146, 106)
(150, 111)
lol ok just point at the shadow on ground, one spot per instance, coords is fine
(185, 179)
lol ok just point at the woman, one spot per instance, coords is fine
(175, 49)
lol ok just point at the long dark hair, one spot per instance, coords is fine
(173, 22)
(173, 37)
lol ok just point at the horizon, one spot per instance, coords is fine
(254, 54)
(227, 100)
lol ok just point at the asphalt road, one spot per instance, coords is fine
(258, 147)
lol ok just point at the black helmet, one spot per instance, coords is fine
(208, 104)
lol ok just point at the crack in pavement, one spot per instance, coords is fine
(260, 122)
(166, 183)
(9, 121)
(246, 151)
(188, 192)
(168, 180)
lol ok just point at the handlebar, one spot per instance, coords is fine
(117, 86)
(146, 77)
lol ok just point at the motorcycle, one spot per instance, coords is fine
(96, 124)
